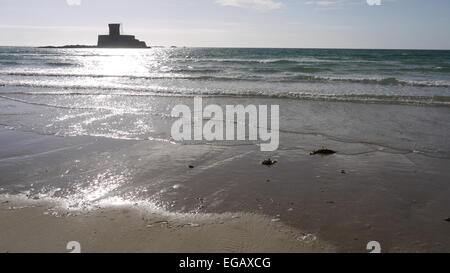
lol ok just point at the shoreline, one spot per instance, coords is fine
(30, 227)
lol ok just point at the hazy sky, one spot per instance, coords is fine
(232, 23)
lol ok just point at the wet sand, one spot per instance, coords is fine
(28, 227)
(346, 200)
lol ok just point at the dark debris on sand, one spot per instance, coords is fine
(447, 220)
(323, 152)
(269, 162)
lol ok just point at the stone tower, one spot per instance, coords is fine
(116, 40)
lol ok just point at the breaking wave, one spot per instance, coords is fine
(388, 81)
(146, 91)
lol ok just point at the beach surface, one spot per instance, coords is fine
(28, 227)
(85, 189)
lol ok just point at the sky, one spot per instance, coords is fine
(420, 24)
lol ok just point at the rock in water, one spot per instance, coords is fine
(323, 152)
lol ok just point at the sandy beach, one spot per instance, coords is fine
(29, 227)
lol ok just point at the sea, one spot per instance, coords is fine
(129, 93)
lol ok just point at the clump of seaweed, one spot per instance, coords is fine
(269, 162)
(323, 151)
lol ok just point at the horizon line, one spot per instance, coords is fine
(247, 47)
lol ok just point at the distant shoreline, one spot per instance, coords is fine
(80, 46)
(69, 46)
(220, 47)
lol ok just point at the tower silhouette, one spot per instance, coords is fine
(116, 40)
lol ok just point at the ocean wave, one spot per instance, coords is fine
(373, 80)
(305, 69)
(304, 77)
(280, 61)
(422, 69)
(142, 91)
(161, 76)
(248, 61)
(440, 69)
(59, 64)
(9, 63)
(196, 70)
